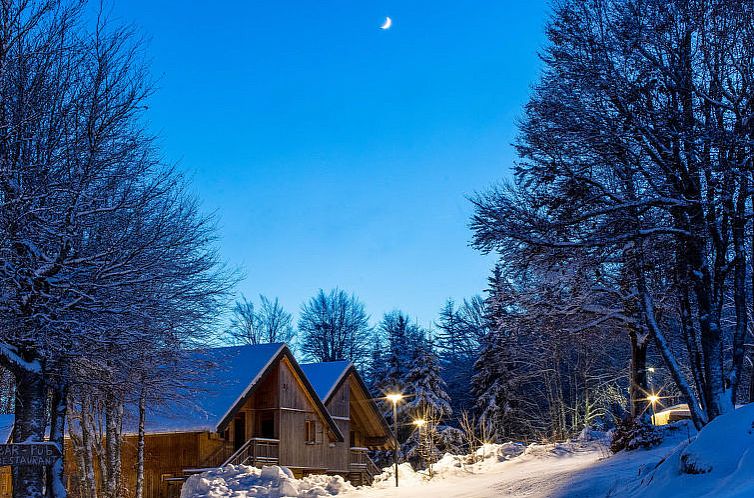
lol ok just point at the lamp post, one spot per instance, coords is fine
(395, 398)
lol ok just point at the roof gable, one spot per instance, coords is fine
(325, 377)
(328, 377)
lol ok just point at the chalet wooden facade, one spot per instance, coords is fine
(261, 408)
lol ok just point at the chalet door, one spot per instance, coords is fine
(239, 430)
(267, 425)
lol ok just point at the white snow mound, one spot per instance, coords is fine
(242, 481)
(717, 462)
(485, 459)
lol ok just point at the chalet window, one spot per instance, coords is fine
(311, 431)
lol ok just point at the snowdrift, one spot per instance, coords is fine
(241, 481)
(717, 462)
(449, 465)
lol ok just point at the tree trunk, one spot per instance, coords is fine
(639, 386)
(55, 476)
(739, 291)
(113, 427)
(140, 447)
(29, 426)
(89, 435)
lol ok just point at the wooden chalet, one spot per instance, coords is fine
(259, 407)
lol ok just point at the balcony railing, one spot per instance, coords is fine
(256, 452)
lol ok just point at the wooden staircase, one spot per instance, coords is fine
(361, 468)
(256, 452)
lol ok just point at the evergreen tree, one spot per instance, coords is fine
(491, 384)
(376, 370)
(402, 339)
(459, 337)
(428, 397)
(428, 401)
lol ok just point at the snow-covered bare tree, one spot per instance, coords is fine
(637, 143)
(259, 324)
(334, 326)
(102, 251)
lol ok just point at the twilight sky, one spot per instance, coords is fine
(337, 154)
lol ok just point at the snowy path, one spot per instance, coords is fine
(532, 476)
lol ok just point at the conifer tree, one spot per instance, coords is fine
(428, 397)
(491, 384)
(428, 401)
(402, 338)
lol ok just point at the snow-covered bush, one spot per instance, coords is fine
(631, 435)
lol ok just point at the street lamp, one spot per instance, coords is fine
(395, 398)
(653, 399)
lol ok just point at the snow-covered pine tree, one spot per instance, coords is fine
(429, 401)
(391, 360)
(491, 383)
(425, 386)
(402, 338)
(460, 330)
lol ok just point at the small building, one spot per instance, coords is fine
(259, 407)
(672, 414)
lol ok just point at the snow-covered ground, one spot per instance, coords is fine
(539, 471)
(716, 463)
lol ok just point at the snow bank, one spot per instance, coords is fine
(241, 481)
(717, 462)
(485, 459)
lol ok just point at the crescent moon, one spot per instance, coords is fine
(387, 24)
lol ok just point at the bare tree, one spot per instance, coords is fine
(259, 324)
(97, 237)
(334, 326)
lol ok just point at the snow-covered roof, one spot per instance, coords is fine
(236, 371)
(6, 427)
(325, 377)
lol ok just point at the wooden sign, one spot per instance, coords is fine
(28, 454)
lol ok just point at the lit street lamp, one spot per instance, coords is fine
(395, 398)
(653, 399)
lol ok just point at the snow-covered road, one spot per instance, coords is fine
(530, 475)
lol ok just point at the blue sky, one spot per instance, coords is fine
(337, 154)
